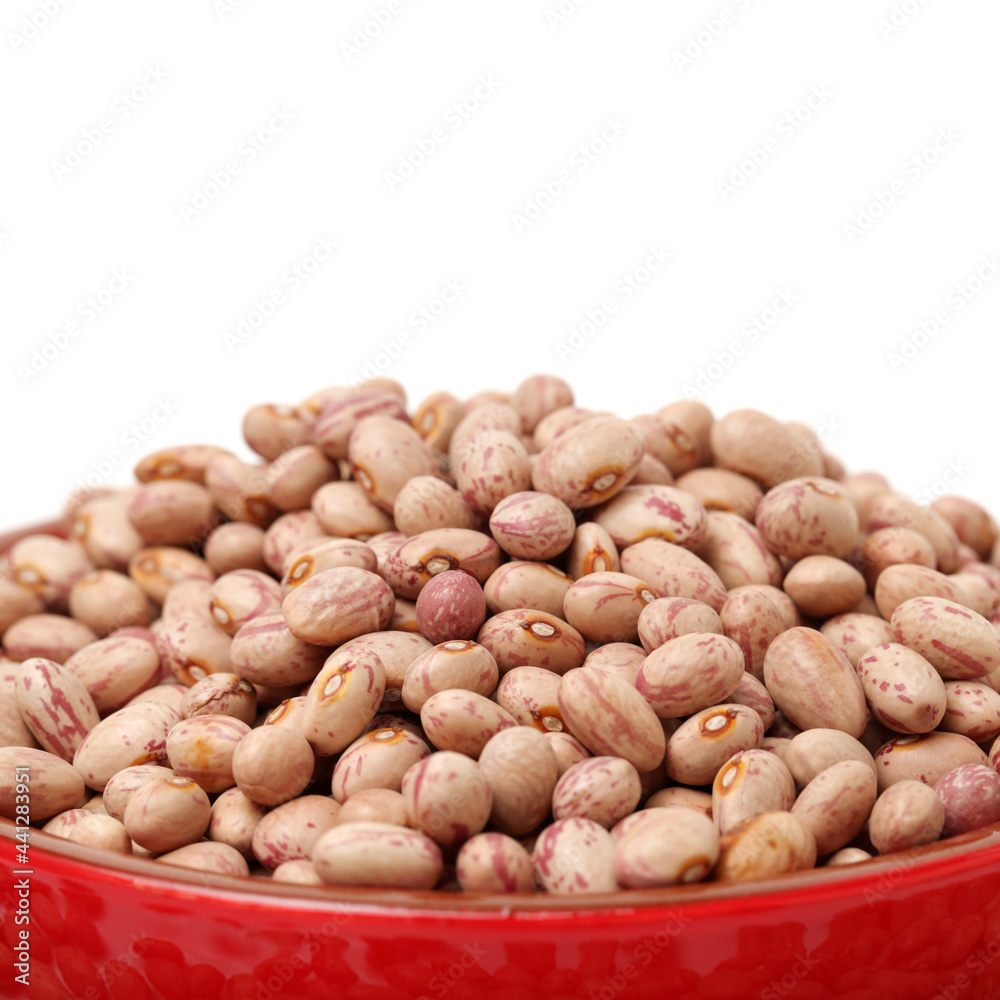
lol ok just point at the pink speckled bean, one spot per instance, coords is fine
(815, 750)
(605, 607)
(682, 797)
(271, 429)
(447, 797)
(449, 665)
(450, 606)
(892, 510)
(51, 637)
(494, 465)
(241, 596)
(973, 710)
(377, 854)
(623, 659)
(221, 694)
(521, 637)
(436, 418)
(377, 759)
(136, 734)
(123, 785)
(670, 617)
(397, 650)
(689, 673)
(463, 721)
(171, 512)
(959, 643)
(673, 571)
(756, 445)
(854, 633)
(191, 649)
(234, 821)
(907, 814)
(167, 813)
(925, 757)
(835, 805)
(822, 586)
(494, 862)
(426, 502)
(344, 510)
(239, 490)
(54, 785)
(16, 602)
(337, 605)
(904, 692)
(652, 511)
(898, 584)
(337, 420)
(610, 718)
(751, 619)
(412, 564)
(186, 461)
(157, 569)
(272, 764)
(973, 525)
(602, 789)
(384, 454)
(290, 832)
(299, 872)
(589, 463)
(892, 547)
(13, 731)
(379, 805)
(539, 395)
(530, 695)
(307, 560)
(208, 856)
(286, 535)
(592, 551)
(496, 415)
(202, 748)
(752, 693)
(48, 567)
(749, 783)
(671, 846)
(707, 739)
(295, 475)
(102, 527)
(722, 489)
(532, 525)
(534, 585)
(575, 856)
(343, 699)
(568, 750)
(90, 829)
(735, 550)
(55, 705)
(264, 651)
(971, 797)
(813, 683)
(808, 516)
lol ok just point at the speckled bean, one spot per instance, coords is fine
(450, 606)
(575, 856)
(115, 670)
(749, 783)
(568, 750)
(425, 503)
(289, 832)
(105, 600)
(385, 453)
(202, 748)
(904, 692)
(673, 571)
(221, 694)
(534, 585)
(286, 535)
(971, 798)
(854, 633)
(835, 805)
(234, 820)
(973, 525)
(814, 750)
(493, 465)
(463, 721)
(605, 607)
(706, 740)
(813, 683)
(456, 664)
(89, 829)
(892, 547)
(241, 596)
(756, 445)
(299, 872)
(345, 511)
(752, 693)
(521, 770)
(171, 512)
(272, 764)
(651, 511)
(892, 510)
(907, 814)
(773, 843)
(483, 418)
(378, 805)
(377, 759)
(530, 695)
(123, 785)
(337, 605)
(16, 602)
(898, 584)
(52, 784)
(102, 527)
(436, 418)
(494, 862)
(157, 569)
(52, 637)
(295, 475)
(13, 731)
(925, 757)
(689, 673)
(235, 545)
(55, 705)
(532, 525)
(264, 651)
(377, 854)
(972, 710)
(622, 659)
(957, 642)
(808, 516)
(48, 566)
(735, 550)
(167, 813)
(592, 551)
(671, 846)
(239, 490)
(411, 566)
(610, 718)
(723, 489)
(191, 649)
(208, 856)
(397, 650)
(343, 699)
(668, 618)
(447, 797)
(602, 789)
(751, 619)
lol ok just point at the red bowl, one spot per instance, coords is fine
(92, 925)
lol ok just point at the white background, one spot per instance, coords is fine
(72, 215)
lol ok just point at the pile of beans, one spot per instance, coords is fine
(503, 645)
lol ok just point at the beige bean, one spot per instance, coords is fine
(906, 814)
(186, 461)
(847, 856)
(983, 597)
(55, 705)
(295, 475)
(463, 721)
(756, 445)
(808, 516)
(105, 600)
(241, 596)
(539, 395)
(673, 571)
(749, 783)
(51, 637)
(898, 584)
(688, 419)
(17, 602)
(723, 489)
(343, 699)
(925, 757)
(235, 545)
(957, 642)
(239, 490)
(264, 651)
(167, 813)
(50, 784)
(668, 618)
(378, 805)
(202, 748)
(522, 636)
(521, 770)
(783, 604)
(602, 789)
(412, 564)
(102, 527)
(735, 550)
(568, 750)
(436, 418)
(458, 663)
(853, 634)
(272, 764)
(337, 605)
(207, 856)
(813, 683)
(299, 872)
(158, 568)
(682, 797)
(813, 751)
(191, 649)
(623, 659)
(377, 854)
(575, 856)
(773, 843)
(385, 453)
(904, 692)
(425, 503)
(605, 607)
(90, 829)
(973, 525)
(290, 832)
(591, 551)
(706, 740)
(690, 673)
(189, 599)
(822, 586)
(835, 805)
(123, 785)
(234, 820)
(532, 525)
(610, 718)
(344, 510)
(447, 797)
(533, 585)
(377, 759)
(972, 710)
(889, 510)
(494, 862)
(172, 512)
(587, 464)
(13, 731)
(48, 566)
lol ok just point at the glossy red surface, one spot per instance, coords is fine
(921, 925)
